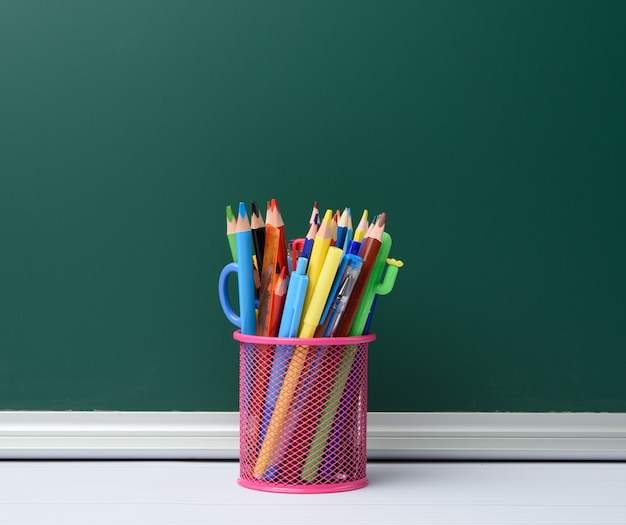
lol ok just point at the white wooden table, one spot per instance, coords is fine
(193, 492)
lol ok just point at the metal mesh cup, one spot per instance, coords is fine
(303, 413)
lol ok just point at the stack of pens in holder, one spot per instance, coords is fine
(305, 308)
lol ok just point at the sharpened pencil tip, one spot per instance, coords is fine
(242, 209)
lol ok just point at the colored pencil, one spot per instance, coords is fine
(309, 240)
(333, 237)
(342, 228)
(231, 230)
(315, 214)
(275, 218)
(268, 278)
(245, 274)
(257, 224)
(361, 227)
(278, 302)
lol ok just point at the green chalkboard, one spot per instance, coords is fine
(493, 133)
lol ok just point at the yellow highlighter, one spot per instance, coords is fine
(311, 317)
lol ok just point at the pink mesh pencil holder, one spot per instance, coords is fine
(303, 413)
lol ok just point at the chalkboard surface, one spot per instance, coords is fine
(493, 133)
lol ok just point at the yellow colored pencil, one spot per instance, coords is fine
(361, 228)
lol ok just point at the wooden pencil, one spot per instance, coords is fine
(342, 227)
(333, 238)
(231, 229)
(277, 220)
(268, 278)
(361, 228)
(245, 274)
(309, 240)
(315, 214)
(278, 302)
(257, 224)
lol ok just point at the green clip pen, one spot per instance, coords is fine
(375, 286)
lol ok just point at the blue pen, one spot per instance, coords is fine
(339, 278)
(289, 324)
(342, 293)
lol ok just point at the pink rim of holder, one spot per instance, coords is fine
(312, 439)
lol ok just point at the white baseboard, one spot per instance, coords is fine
(397, 436)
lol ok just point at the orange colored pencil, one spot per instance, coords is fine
(275, 218)
(268, 278)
